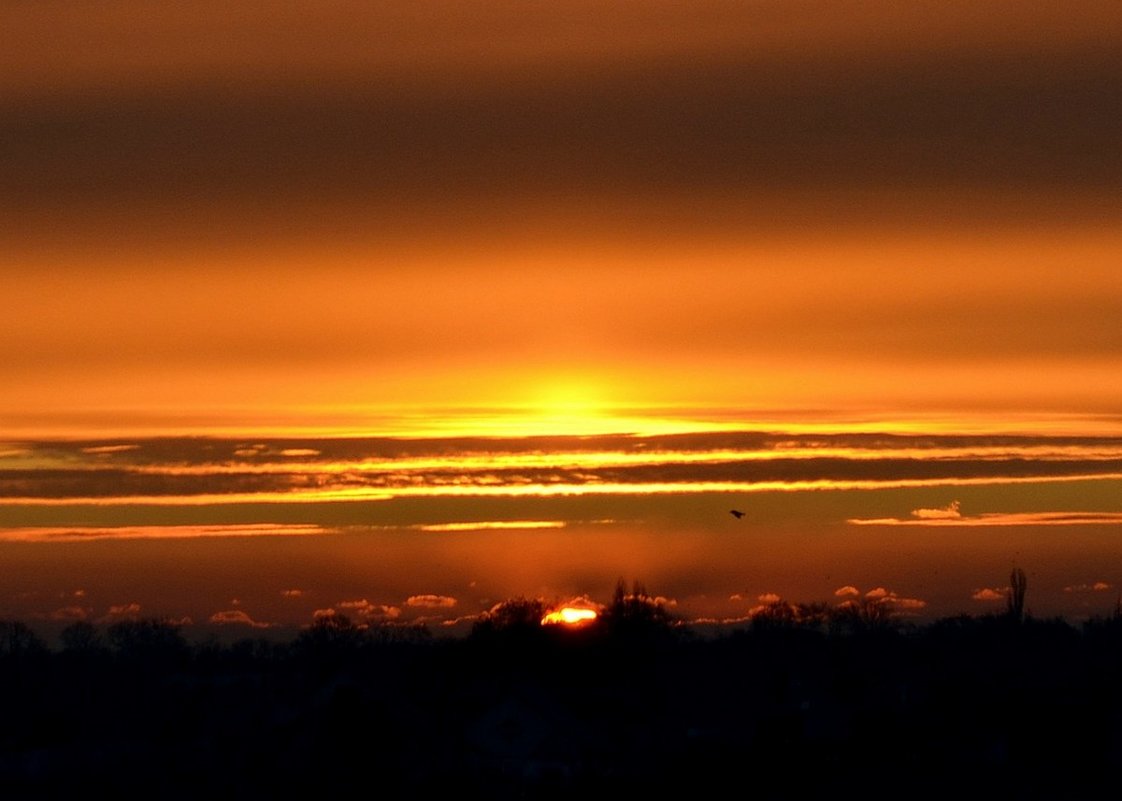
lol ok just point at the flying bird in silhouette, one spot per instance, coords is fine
(736, 513)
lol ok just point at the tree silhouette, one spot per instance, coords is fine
(81, 637)
(331, 633)
(148, 642)
(18, 641)
(635, 613)
(519, 618)
(1015, 597)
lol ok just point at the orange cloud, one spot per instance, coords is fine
(369, 611)
(948, 512)
(847, 590)
(909, 603)
(1098, 586)
(125, 609)
(237, 617)
(431, 601)
(71, 613)
(988, 594)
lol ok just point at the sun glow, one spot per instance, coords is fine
(569, 616)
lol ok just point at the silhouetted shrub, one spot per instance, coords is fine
(149, 641)
(516, 619)
(18, 641)
(636, 614)
(81, 637)
(331, 634)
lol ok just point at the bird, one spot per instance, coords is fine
(736, 513)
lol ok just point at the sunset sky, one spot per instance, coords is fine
(281, 224)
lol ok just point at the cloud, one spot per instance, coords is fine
(769, 598)
(71, 613)
(948, 512)
(848, 589)
(87, 533)
(237, 617)
(989, 594)
(292, 593)
(431, 601)
(105, 450)
(882, 595)
(736, 596)
(121, 612)
(297, 452)
(491, 524)
(909, 603)
(455, 621)
(369, 611)
(944, 518)
(1098, 586)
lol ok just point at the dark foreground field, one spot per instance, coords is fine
(782, 708)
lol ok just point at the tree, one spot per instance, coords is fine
(636, 612)
(81, 637)
(519, 617)
(17, 640)
(1015, 597)
(148, 641)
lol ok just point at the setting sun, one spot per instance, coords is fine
(570, 616)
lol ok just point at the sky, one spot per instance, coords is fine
(263, 222)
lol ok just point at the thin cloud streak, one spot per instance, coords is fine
(491, 525)
(1001, 519)
(45, 534)
(184, 472)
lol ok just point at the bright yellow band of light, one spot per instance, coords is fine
(569, 616)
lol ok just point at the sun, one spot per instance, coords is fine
(558, 406)
(570, 616)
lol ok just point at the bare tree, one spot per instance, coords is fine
(1015, 598)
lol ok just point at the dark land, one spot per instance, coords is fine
(802, 702)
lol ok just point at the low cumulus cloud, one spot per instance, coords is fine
(909, 603)
(847, 591)
(72, 613)
(881, 595)
(948, 512)
(989, 594)
(294, 593)
(1098, 586)
(237, 617)
(768, 598)
(456, 621)
(431, 601)
(121, 612)
(368, 611)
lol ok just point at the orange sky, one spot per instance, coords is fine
(258, 217)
